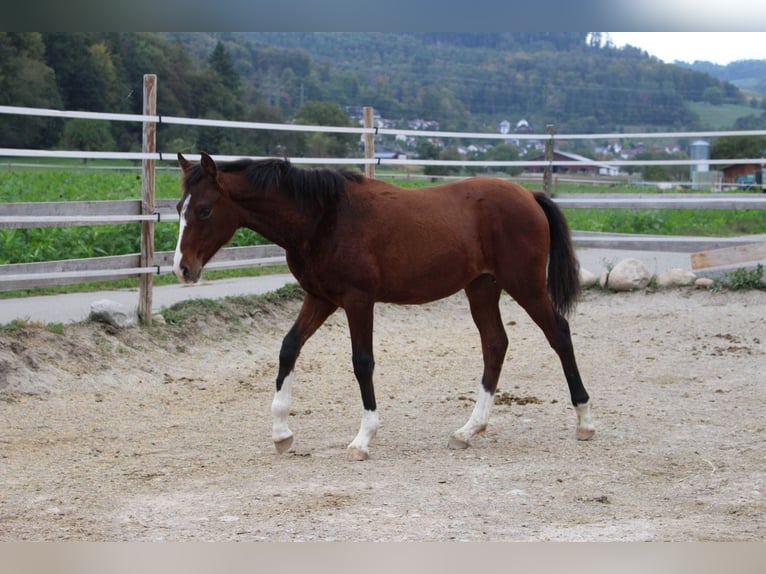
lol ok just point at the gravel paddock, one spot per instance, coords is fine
(164, 433)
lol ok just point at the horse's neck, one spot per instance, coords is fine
(279, 219)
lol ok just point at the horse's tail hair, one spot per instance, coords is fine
(563, 266)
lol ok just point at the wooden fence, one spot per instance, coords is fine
(148, 211)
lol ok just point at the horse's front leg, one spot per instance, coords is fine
(313, 313)
(360, 320)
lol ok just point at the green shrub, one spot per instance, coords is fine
(742, 279)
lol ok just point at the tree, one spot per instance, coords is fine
(442, 105)
(274, 143)
(87, 135)
(213, 98)
(738, 147)
(78, 70)
(713, 95)
(220, 62)
(26, 80)
(326, 144)
(750, 122)
(427, 150)
(662, 172)
(505, 152)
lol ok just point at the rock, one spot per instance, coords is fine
(628, 275)
(703, 283)
(675, 278)
(112, 313)
(587, 279)
(603, 279)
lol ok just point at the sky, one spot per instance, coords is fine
(717, 47)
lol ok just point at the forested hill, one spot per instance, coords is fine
(466, 80)
(456, 81)
(745, 74)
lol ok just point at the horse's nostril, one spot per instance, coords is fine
(185, 271)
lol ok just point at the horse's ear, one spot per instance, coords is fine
(183, 162)
(208, 166)
(211, 170)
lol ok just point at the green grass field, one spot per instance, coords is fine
(721, 117)
(54, 243)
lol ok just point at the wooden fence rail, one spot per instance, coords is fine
(69, 271)
(74, 213)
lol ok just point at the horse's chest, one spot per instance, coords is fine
(312, 275)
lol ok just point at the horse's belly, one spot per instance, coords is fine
(414, 284)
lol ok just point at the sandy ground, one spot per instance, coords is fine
(164, 433)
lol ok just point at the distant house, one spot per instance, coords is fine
(522, 126)
(588, 165)
(732, 172)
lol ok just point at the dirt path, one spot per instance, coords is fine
(160, 435)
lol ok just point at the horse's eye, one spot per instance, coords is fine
(205, 212)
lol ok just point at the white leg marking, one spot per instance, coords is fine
(477, 422)
(280, 409)
(585, 427)
(178, 255)
(359, 447)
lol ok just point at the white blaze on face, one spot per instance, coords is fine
(181, 225)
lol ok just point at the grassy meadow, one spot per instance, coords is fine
(721, 116)
(54, 243)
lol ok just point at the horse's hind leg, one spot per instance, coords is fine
(360, 322)
(313, 313)
(484, 296)
(556, 330)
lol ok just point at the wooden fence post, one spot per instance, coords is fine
(550, 129)
(149, 145)
(369, 142)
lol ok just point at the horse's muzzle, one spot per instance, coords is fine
(186, 275)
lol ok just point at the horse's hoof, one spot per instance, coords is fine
(354, 453)
(283, 445)
(457, 443)
(585, 434)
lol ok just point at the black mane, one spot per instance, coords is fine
(318, 187)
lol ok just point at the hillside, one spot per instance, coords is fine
(745, 74)
(451, 81)
(474, 81)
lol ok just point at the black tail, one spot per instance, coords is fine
(563, 267)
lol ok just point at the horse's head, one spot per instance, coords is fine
(208, 218)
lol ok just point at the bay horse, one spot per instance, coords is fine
(352, 241)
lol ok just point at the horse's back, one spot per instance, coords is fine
(446, 199)
(499, 211)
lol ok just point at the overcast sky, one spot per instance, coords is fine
(718, 47)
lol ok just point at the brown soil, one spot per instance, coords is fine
(164, 433)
